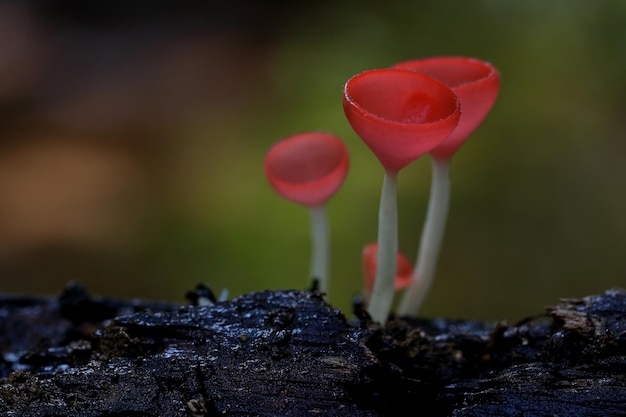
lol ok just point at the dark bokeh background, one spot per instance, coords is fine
(132, 137)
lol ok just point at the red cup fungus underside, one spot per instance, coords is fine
(399, 114)
(476, 83)
(307, 168)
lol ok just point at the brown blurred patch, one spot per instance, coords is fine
(20, 52)
(66, 191)
(93, 98)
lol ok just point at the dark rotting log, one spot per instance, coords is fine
(289, 353)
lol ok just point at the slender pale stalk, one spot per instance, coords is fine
(320, 246)
(382, 294)
(431, 240)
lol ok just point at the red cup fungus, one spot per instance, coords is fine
(404, 269)
(421, 106)
(476, 83)
(400, 115)
(308, 168)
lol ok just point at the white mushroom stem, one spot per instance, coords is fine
(320, 246)
(381, 298)
(431, 239)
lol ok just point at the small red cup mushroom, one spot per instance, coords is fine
(476, 83)
(400, 115)
(404, 270)
(308, 168)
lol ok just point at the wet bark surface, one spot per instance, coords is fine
(288, 353)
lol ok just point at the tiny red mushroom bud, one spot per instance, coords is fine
(400, 115)
(404, 270)
(308, 168)
(476, 83)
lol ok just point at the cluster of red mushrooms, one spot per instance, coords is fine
(423, 106)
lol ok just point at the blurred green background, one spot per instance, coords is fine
(132, 138)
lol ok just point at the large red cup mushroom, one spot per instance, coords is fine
(476, 83)
(400, 115)
(308, 168)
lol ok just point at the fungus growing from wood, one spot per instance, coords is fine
(400, 115)
(308, 168)
(476, 84)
